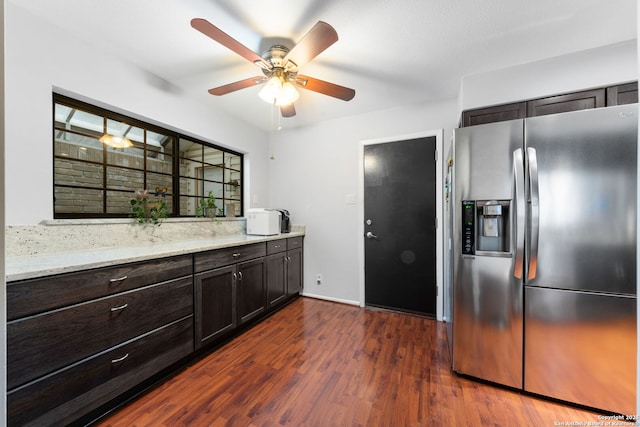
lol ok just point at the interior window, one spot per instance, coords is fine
(101, 158)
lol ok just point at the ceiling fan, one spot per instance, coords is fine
(280, 66)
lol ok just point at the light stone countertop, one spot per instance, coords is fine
(33, 266)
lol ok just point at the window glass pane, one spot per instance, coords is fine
(190, 150)
(77, 200)
(213, 156)
(124, 179)
(76, 146)
(130, 157)
(232, 190)
(77, 173)
(119, 202)
(132, 133)
(72, 119)
(216, 189)
(162, 183)
(189, 168)
(188, 186)
(188, 205)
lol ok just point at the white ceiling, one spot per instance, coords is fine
(392, 52)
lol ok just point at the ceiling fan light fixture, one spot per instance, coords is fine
(279, 91)
(115, 141)
(288, 94)
(270, 91)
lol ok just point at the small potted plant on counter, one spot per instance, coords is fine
(207, 207)
(146, 211)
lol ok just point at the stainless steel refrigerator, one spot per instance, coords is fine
(544, 255)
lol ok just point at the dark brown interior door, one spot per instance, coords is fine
(400, 219)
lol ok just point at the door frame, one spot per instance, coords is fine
(438, 133)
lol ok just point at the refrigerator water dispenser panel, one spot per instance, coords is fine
(486, 227)
(468, 229)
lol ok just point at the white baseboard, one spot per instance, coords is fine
(343, 301)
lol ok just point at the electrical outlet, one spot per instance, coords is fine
(319, 279)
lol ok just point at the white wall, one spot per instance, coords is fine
(587, 69)
(316, 169)
(39, 58)
(3, 286)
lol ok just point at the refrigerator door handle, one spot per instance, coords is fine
(532, 161)
(518, 184)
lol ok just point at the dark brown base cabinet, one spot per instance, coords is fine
(284, 270)
(215, 310)
(78, 342)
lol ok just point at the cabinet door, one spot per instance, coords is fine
(497, 113)
(276, 279)
(294, 271)
(569, 102)
(251, 289)
(215, 304)
(622, 94)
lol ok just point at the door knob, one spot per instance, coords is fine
(370, 235)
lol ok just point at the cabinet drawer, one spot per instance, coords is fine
(275, 246)
(41, 344)
(294, 243)
(68, 394)
(33, 296)
(219, 258)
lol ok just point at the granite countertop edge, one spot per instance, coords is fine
(35, 266)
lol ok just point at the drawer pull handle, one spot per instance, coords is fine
(120, 307)
(119, 279)
(120, 359)
(236, 255)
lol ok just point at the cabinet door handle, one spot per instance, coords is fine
(120, 359)
(235, 276)
(236, 255)
(240, 274)
(118, 279)
(120, 307)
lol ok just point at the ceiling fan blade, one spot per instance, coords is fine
(288, 110)
(325, 88)
(320, 37)
(242, 84)
(210, 30)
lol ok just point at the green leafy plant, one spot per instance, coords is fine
(207, 207)
(146, 211)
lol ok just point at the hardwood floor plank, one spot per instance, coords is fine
(318, 363)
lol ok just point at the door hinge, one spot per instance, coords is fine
(436, 223)
(435, 157)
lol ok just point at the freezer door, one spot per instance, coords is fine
(581, 347)
(583, 199)
(487, 297)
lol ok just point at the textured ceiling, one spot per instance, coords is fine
(392, 52)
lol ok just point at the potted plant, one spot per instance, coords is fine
(207, 207)
(145, 211)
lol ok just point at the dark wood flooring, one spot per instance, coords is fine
(318, 363)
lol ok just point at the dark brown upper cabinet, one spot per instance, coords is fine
(622, 94)
(593, 98)
(568, 102)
